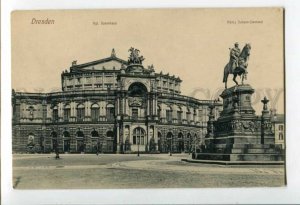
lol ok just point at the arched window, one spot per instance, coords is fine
(66, 134)
(139, 136)
(67, 112)
(80, 112)
(94, 133)
(80, 134)
(95, 112)
(110, 112)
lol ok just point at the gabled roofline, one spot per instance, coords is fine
(99, 61)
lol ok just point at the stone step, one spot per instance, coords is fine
(254, 151)
(213, 156)
(256, 157)
(253, 146)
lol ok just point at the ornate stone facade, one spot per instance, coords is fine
(113, 106)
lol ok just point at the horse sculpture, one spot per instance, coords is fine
(241, 66)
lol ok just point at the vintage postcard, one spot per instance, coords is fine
(148, 98)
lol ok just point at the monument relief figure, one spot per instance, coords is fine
(237, 64)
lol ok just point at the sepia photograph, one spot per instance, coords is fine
(148, 98)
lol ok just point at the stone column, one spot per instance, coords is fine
(118, 138)
(126, 105)
(148, 105)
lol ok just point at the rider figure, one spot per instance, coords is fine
(234, 56)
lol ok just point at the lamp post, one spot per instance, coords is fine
(56, 141)
(171, 145)
(190, 144)
(138, 147)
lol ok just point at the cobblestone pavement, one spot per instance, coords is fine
(129, 171)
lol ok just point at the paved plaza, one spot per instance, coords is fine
(80, 171)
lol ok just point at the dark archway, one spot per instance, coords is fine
(94, 133)
(137, 89)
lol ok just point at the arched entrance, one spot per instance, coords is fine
(66, 140)
(139, 139)
(96, 144)
(138, 136)
(80, 144)
(110, 141)
(170, 142)
(180, 142)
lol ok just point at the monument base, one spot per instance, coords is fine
(238, 134)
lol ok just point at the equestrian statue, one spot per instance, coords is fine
(238, 63)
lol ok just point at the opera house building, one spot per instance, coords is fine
(113, 105)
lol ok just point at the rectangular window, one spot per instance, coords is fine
(142, 140)
(280, 136)
(188, 116)
(179, 114)
(55, 114)
(280, 127)
(169, 115)
(135, 113)
(67, 113)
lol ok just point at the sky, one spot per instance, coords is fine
(190, 43)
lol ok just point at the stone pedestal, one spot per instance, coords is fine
(238, 134)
